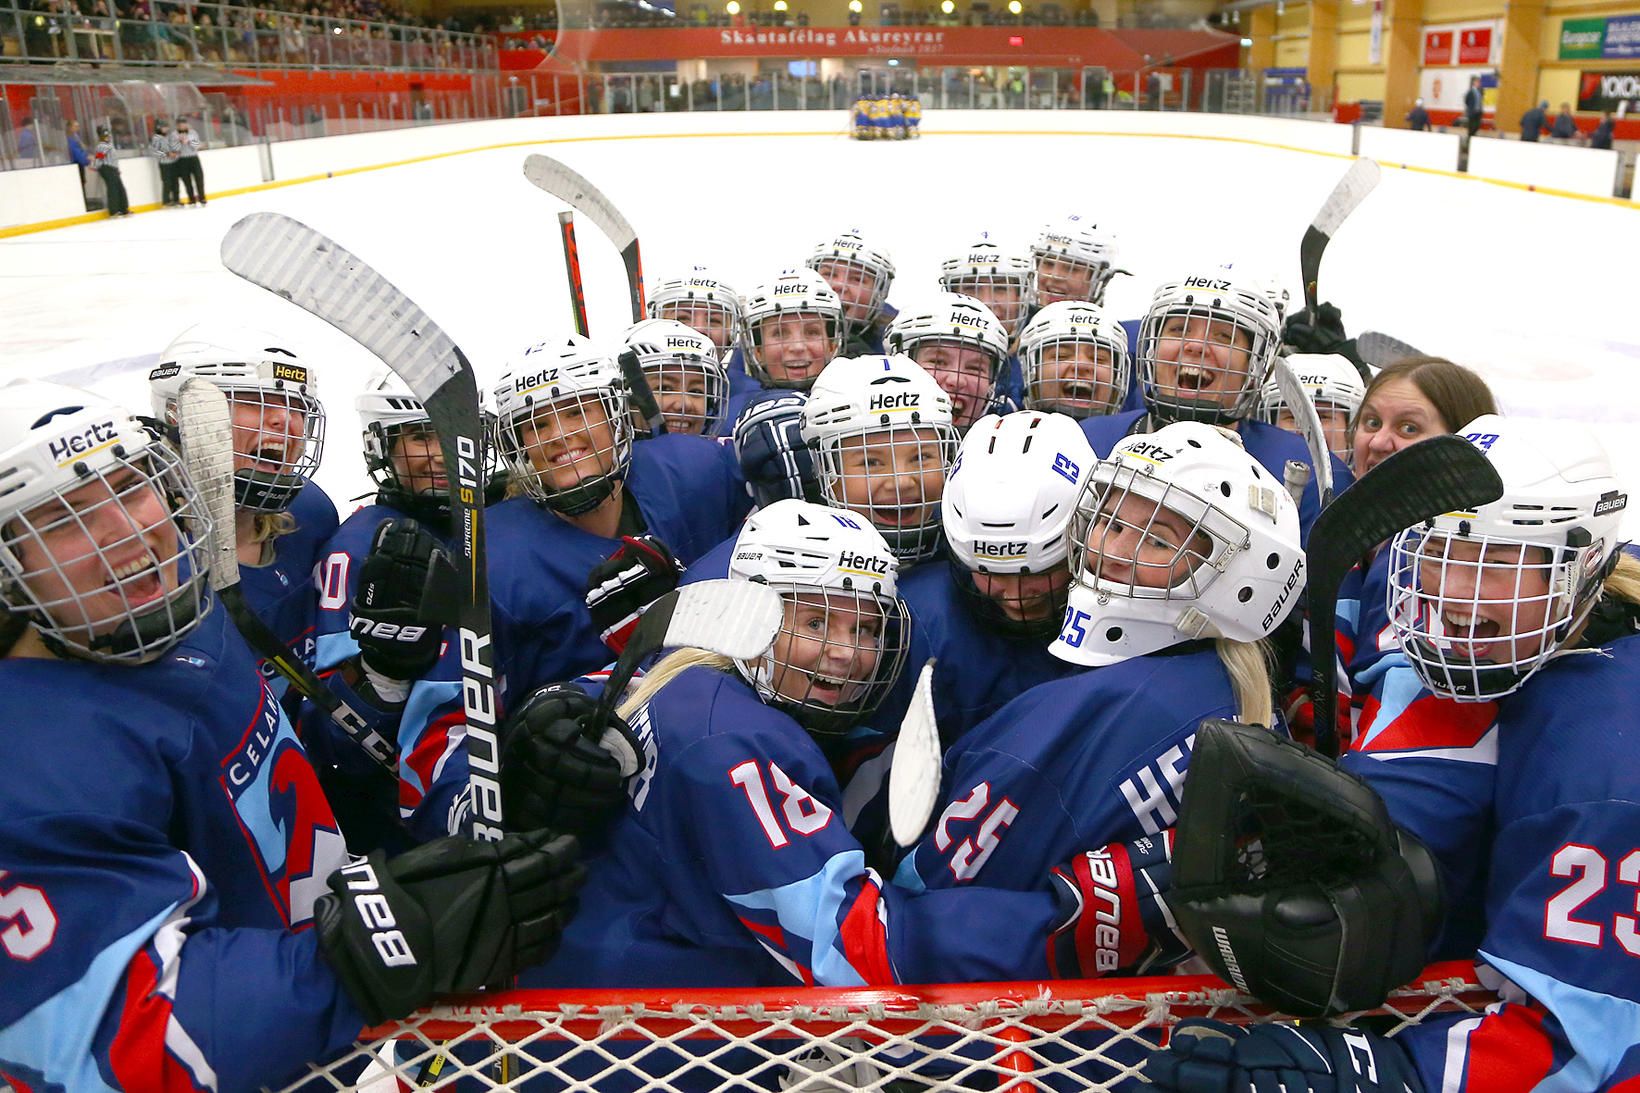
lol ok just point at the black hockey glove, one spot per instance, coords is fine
(560, 771)
(1322, 333)
(446, 918)
(1113, 912)
(1213, 1057)
(769, 444)
(622, 586)
(406, 595)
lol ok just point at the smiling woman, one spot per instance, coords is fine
(1412, 400)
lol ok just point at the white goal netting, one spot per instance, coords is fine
(1003, 1036)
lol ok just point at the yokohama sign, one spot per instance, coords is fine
(1605, 90)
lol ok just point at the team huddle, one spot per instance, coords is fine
(895, 116)
(1093, 528)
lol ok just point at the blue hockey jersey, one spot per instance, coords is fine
(164, 840)
(281, 593)
(732, 866)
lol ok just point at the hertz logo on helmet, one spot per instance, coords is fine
(535, 379)
(999, 550)
(67, 447)
(908, 401)
(295, 373)
(868, 563)
(1210, 283)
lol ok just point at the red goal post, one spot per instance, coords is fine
(1083, 1034)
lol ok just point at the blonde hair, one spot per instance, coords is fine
(669, 668)
(1624, 582)
(1248, 665)
(268, 526)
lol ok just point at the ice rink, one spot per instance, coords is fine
(1527, 288)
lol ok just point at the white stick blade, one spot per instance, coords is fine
(1351, 190)
(738, 619)
(206, 430)
(1302, 407)
(567, 185)
(292, 260)
(914, 778)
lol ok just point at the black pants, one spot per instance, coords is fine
(193, 177)
(168, 183)
(1472, 122)
(118, 203)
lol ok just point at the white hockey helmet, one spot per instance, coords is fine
(1079, 242)
(1179, 535)
(1008, 499)
(104, 542)
(684, 373)
(1331, 381)
(882, 431)
(261, 370)
(794, 294)
(1205, 348)
(843, 640)
(572, 461)
(1074, 360)
(997, 280)
(953, 321)
(704, 302)
(1480, 600)
(858, 272)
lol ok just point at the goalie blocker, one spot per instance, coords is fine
(1290, 879)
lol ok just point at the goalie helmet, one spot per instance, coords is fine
(882, 433)
(1074, 360)
(104, 541)
(1481, 600)
(1179, 535)
(1071, 259)
(564, 424)
(859, 273)
(778, 314)
(995, 279)
(961, 344)
(683, 371)
(1205, 348)
(278, 420)
(1007, 502)
(1334, 386)
(702, 302)
(842, 642)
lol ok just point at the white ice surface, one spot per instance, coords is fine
(1527, 288)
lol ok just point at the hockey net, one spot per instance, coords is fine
(1007, 1036)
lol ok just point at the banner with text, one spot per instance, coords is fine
(1473, 44)
(1614, 38)
(1601, 91)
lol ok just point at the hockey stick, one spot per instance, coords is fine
(914, 777)
(737, 619)
(1351, 190)
(1380, 350)
(568, 186)
(572, 267)
(1442, 474)
(206, 431)
(1302, 407)
(292, 260)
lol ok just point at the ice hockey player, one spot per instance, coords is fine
(1542, 618)
(912, 107)
(863, 129)
(963, 346)
(999, 281)
(179, 908)
(282, 518)
(682, 369)
(704, 302)
(794, 327)
(1071, 259)
(860, 274)
(988, 616)
(1335, 389)
(1205, 348)
(1074, 360)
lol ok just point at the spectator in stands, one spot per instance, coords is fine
(1535, 122)
(1565, 127)
(1473, 105)
(1602, 135)
(82, 160)
(28, 143)
(1418, 117)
